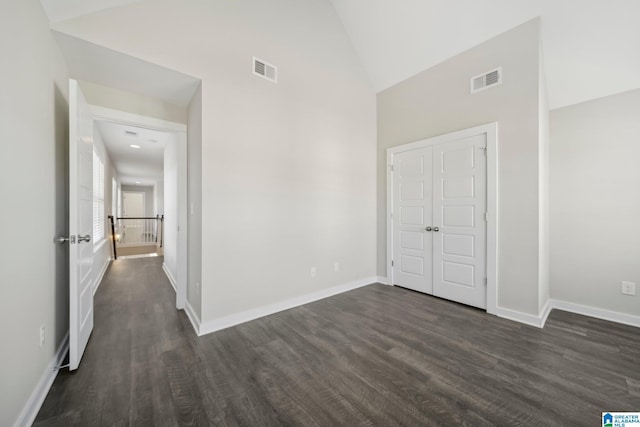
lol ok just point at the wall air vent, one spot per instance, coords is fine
(486, 80)
(265, 70)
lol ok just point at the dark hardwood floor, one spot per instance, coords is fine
(378, 355)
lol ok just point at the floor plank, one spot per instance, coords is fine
(378, 355)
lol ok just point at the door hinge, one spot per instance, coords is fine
(391, 263)
(391, 167)
(486, 216)
(485, 281)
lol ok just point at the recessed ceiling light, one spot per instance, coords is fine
(134, 146)
(138, 182)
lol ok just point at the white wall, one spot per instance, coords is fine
(595, 202)
(34, 270)
(158, 197)
(170, 238)
(437, 101)
(115, 99)
(103, 252)
(288, 169)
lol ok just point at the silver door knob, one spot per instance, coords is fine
(436, 229)
(428, 228)
(71, 239)
(86, 238)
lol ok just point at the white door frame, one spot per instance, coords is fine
(110, 115)
(491, 131)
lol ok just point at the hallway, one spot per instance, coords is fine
(123, 374)
(377, 355)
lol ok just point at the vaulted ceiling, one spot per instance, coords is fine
(591, 47)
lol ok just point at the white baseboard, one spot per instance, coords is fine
(554, 304)
(32, 407)
(172, 280)
(383, 280)
(518, 316)
(245, 316)
(598, 313)
(193, 317)
(528, 319)
(101, 275)
(544, 313)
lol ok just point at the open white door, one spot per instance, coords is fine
(80, 224)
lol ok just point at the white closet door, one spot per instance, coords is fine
(412, 213)
(459, 206)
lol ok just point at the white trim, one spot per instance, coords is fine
(193, 317)
(554, 304)
(110, 115)
(383, 280)
(34, 403)
(491, 130)
(544, 313)
(598, 313)
(518, 316)
(172, 280)
(492, 217)
(528, 319)
(389, 167)
(255, 313)
(103, 271)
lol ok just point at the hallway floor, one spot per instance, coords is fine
(378, 355)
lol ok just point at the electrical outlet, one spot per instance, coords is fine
(313, 272)
(41, 336)
(628, 288)
(336, 267)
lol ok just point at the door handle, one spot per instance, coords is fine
(436, 229)
(86, 238)
(428, 228)
(62, 240)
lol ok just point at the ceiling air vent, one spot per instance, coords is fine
(264, 69)
(130, 133)
(486, 80)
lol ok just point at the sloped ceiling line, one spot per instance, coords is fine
(591, 48)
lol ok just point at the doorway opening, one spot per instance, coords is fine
(128, 91)
(149, 166)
